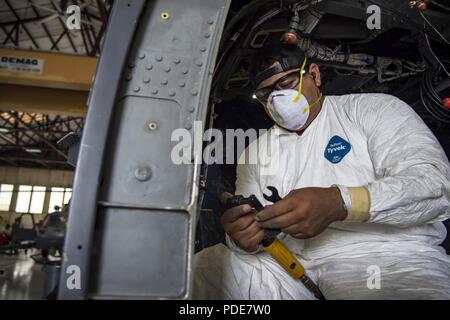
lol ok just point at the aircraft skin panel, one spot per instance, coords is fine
(134, 236)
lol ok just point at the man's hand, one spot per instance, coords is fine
(304, 213)
(242, 227)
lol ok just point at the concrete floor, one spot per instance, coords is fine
(20, 277)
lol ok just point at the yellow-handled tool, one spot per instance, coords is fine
(277, 249)
(289, 262)
(285, 258)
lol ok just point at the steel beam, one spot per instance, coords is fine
(41, 137)
(19, 20)
(43, 100)
(60, 71)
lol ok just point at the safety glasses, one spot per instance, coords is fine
(289, 81)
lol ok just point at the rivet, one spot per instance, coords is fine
(159, 58)
(203, 49)
(165, 15)
(176, 61)
(210, 21)
(147, 79)
(149, 66)
(167, 69)
(154, 91)
(131, 65)
(199, 63)
(143, 174)
(172, 93)
(164, 82)
(207, 35)
(191, 108)
(136, 89)
(142, 55)
(128, 77)
(152, 125)
(194, 92)
(182, 84)
(188, 124)
(185, 70)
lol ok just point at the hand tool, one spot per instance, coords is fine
(273, 246)
(274, 196)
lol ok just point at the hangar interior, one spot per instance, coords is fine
(43, 107)
(38, 109)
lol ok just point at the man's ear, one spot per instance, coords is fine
(315, 73)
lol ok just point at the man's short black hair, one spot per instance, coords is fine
(287, 55)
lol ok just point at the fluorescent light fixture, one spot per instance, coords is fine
(254, 96)
(4, 130)
(33, 150)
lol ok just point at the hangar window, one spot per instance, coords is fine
(6, 191)
(67, 195)
(37, 200)
(23, 199)
(58, 197)
(30, 199)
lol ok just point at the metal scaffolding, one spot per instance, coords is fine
(29, 139)
(41, 25)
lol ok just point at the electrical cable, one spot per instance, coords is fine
(431, 100)
(434, 55)
(434, 28)
(440, 5)
(401, 16)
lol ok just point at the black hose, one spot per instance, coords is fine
(431, 99)
(246, 10)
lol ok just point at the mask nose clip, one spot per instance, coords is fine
(276, 95)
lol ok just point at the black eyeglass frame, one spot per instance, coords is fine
(263, 94)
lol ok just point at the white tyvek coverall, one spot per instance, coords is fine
(407, 175)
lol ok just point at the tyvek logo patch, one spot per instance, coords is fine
(337, 149)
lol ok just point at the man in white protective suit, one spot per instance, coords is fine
(365, 188)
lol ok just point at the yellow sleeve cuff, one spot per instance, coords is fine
(360, 199)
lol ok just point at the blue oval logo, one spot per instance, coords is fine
(337, 149)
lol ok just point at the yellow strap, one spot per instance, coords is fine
(313, 104)
(301, 82)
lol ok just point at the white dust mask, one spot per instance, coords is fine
(287, 110)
